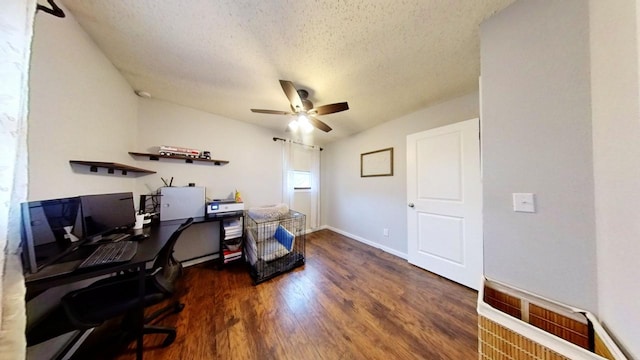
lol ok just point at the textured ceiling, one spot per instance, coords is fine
(387, 58)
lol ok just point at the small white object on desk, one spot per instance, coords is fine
(139, 221)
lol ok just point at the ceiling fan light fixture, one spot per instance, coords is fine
(304, 124)
(304, 109)
(306, 104)
(306, 127)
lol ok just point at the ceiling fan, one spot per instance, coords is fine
(303, 107)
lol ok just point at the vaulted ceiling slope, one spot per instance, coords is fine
(387, 58)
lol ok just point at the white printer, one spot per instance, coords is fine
(223, 206)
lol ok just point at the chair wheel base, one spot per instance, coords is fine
(169, 332)
(178, 308)
(169, 340)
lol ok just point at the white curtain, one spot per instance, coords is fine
(16, 32)
(313, 220)
(287, 174)
(311, 160)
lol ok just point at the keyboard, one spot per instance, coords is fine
(115, 252)
(121, 237)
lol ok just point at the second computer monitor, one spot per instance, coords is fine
(107, 213)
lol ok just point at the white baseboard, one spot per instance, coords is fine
(386, 249)
(199, 260)
(368, 242)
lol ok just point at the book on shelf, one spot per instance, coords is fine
(232, 235)
(234, 223)
(232, 229)
(229, 255)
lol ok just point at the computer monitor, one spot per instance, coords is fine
(50, 227)
(107, 213)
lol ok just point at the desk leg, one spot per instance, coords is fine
(141, 289)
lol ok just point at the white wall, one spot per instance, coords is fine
(255, 160)
(536, 130)
(616, 138)
(363, 207)
(81, 108)
(254, 168)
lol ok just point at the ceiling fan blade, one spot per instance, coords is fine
(274, 112)
(319, 124)
(292, 95)
(330, 108)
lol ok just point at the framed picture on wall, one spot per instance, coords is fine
(377, 163)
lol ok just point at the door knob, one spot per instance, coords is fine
(411, 205)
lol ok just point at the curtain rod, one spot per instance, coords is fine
(295, 142)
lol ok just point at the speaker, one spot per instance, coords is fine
(142, 206)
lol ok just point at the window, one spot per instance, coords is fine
(301, 180)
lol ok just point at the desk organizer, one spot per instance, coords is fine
(274, 243)
(516, 325)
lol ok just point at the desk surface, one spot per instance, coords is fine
(64, 272)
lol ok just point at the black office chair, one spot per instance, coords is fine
(119, 295)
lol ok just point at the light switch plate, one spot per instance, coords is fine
(524, 202)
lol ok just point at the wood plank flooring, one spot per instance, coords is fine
(349, 301)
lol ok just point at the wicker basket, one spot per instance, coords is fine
(516, 325)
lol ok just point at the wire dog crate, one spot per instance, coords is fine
(274, 245)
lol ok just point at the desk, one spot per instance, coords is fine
(63, 271)
(220, 217)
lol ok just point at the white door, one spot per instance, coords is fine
(444, 198)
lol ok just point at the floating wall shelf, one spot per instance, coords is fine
(185, 158)
(111, 167)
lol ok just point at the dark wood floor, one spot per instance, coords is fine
(349, 301)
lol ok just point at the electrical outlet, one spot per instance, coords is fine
(385, 232)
